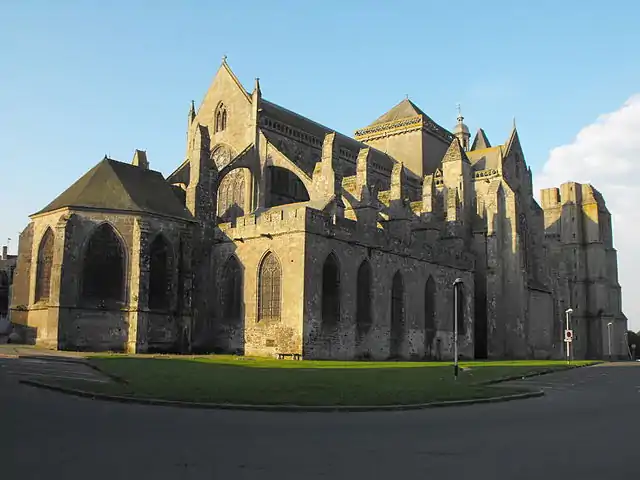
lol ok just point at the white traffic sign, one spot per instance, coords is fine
(568, 336)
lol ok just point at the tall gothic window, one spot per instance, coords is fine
(159, 274)
(232, 289)
(231, 195)
(103, 266)
(221, 118)
(330, 292)
(45, 262)
(269, 288)
(429, 314)
(363, 299)
(397, 315)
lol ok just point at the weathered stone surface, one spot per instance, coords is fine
(297, 239)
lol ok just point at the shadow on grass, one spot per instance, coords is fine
(243, 380)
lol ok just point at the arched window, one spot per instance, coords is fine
(159, 273)
(43, 269)
(397, 315)
(220, 118)
(232, 289)
(103, 266)
(269, 288)
(231, 195)
(429, 315)
(330, 292)
(363, 299)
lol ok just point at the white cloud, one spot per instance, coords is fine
(606, 154)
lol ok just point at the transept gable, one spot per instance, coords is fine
(226, 102)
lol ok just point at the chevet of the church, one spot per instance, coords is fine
(276, 235)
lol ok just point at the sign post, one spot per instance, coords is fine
(568, 334)
(456, 284)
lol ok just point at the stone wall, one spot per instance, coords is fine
(64, 319)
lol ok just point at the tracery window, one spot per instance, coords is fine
(397, 315)
(331, 292)
(43, 269)
(220, 118)
(269, 288)
(429, 314)
(363, 300)
(231, 195)
(159, 273)
(232, 289)
(103, 266)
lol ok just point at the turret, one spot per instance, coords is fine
(461, 131)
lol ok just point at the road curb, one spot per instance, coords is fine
(280, 408)
(537, 374)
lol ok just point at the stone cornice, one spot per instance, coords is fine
(404, 125)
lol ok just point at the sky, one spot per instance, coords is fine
(81, 79)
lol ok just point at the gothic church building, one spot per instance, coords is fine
(278, 235)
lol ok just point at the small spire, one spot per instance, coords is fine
(514, 122)
(406, 96)
(257, 86)
(224, 58)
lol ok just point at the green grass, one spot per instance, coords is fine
(245, 380)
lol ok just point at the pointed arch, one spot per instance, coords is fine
(269, 288)
(44, 266)
(363, 298)
(331, 291)
(231, 195)
(397, 315)
(429, 315)
(231, 290)
(160, 272)
(285, 187)
(220, 118)
(103, 266)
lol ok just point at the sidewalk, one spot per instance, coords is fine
(15, 351)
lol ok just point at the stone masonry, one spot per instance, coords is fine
(277, 235)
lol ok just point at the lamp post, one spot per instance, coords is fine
(456, 285)
(609, 337)
(567, 340)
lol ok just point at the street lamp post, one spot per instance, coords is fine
(568, 313)
(456, 285)
(609, 337)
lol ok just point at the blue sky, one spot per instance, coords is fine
(80, 79)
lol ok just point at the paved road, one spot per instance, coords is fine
(581, 429)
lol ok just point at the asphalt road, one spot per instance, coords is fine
(584, 428)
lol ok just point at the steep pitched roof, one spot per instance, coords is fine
(121, 186)
(405, 109)
(480, 141)
(455, 153)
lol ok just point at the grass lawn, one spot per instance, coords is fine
(246, 380)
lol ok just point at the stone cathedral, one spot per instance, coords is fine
(277, 235)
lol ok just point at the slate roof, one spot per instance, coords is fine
(405, 109)
(480, 141)
(113, 185)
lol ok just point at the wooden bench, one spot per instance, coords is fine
(295, 356)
